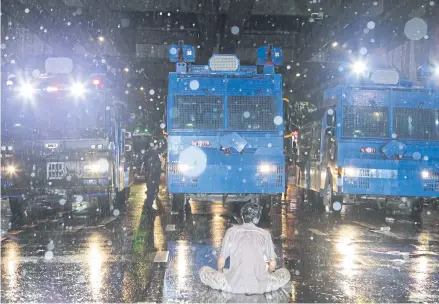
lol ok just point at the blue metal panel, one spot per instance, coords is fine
(228, 173)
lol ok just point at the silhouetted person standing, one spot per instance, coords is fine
(152, 167)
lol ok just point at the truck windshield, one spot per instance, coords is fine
(365, 122)
(192, 112)
(418, 124)
(53, 119)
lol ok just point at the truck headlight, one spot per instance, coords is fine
(183, 167)
(266, 168)
(350, 172)
(101, 166)
(11, 169)
(425, 174)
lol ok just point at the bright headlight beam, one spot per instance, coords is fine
(425, 174)
(27, 90)
(358, 67)
(11, 169)
(77, 89)
(183, 167)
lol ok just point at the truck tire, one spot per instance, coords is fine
(265, 202)
(177, 203)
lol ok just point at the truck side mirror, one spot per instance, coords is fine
(128, 148)
(330, 118)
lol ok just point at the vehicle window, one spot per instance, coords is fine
(365, 122)
(416, 123)
(251, 113)
(192, 112)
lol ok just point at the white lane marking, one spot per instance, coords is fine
(364, 261)
(316, 231)
(170, 227)
(161, 257)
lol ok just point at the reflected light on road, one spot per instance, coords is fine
(95, 258)
(347, 250)
(183, 261)
(159, 236)
(217, 230)
(10, 262)
(420, 270)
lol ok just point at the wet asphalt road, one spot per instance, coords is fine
(345, 258)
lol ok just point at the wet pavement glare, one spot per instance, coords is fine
(332, 258)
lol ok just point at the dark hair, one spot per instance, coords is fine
(251, 212)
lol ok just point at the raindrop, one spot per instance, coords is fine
(371, 25)
(50, 183)
(426, 37)
(372, 40)
(173, 51)
(48, 255)
(32, 174)
(415, 29)
(79, 11)
(246, 114)
(336, 206)
(125, 22)
(297, 272)
(366, 30)
(428, 212)
(375, 3)
(416, 156)
(235, 30)
(116, 212)
(404, 199)
(2, 46)
(426, 158)
(79, 198)
(240, 169)
(169, 14)
(62, 201)
(431, 3)
(363, 51)
(229, 167)
(349, 51)
(394, 135)
(107, 108)
(41, 27)
(270, 145)
(151, 92)
(69, 23)
(288, 67)
(278, 120)
(181, 27)
(50, 246)
(129, 85)
(109, 243)
(244, 180)
(196, 159)
(26, 10)
(127, 92)
(194, 85)
(45, 31)
(140, 107)
(162, 125)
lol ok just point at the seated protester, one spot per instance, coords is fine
(249, 248)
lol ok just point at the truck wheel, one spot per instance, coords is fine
(266, 206)
(177, 202)
(417, 207)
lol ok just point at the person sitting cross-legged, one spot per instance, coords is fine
(250, 248)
